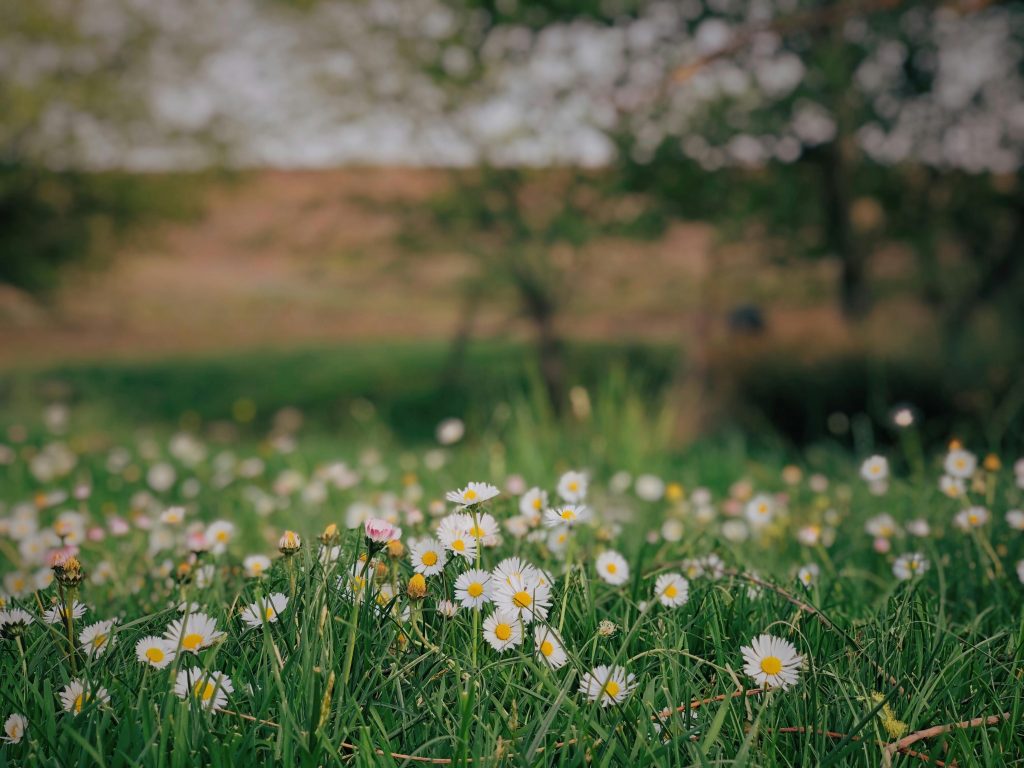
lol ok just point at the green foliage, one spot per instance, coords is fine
(49, 220)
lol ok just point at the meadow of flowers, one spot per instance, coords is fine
(191, 597)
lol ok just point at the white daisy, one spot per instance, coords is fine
(193, 632)
(1015, 519)
(612, 567)
(693, 568)
(76, 694)
(485, 529)
(910, 565)
(428, 556)
(572, 486)
(672, 590)
(960, 463)
(609, 685)
(549, 646)
(14, 620)
(14, 729)
(503, 630)
(473, 588)
(567, 514)
(972, 517)
(96, 638)
(760, 510)
(532, 504)
(256, 565)
(209, 689)
(172, 516)
(881, 526)
(472, 494)
(808, 574)
(56, 614)
(526, 596)
(218, 535)
(772, 662)
(154, 651)
(953, 487)
(453, 533)
(513, 566)
(265, 610)
(875, 469)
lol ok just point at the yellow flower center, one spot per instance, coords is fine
(429, 558)
(972, 519)
(269, 613)
(222, 536)
(503, 631)
(771, 665)
(257, 568)
(537, 503)
(547, 648)
(476, 532)
(611, 567)
(612, 688)
(155, 655)
(475, 589)
(79, 700)
(191, 641)
(568, 514)
(912, 565)
(459, 545)
(469, 495)
(574, 486)
(204, 690)
(522, 599)
(671, 591)
(99, 640)
(959, 463)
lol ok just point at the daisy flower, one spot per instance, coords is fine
(881, 526)
(447, 608)
(919, 527)
(380, 531)
(910, 565)
(759, 510)
(525, 596)
(14, 621)
(609, 685)
(473, 588)
(672, 590)
(485, 529)
(14, 729)
(808, 574)
(255, 565)
(1015, 519)
(612, 567)
(513, 567)
(172, 516)
(472, 494)
(96, 638)
(572, 486)
(960, 463)
(209, 689)
(972, 517)
(218, 534)
(549, 646)
(533, 503)
(76, 695)
(875, 469)
(693, 568)
(772, 662)
(952, 486)
(56, 614)
(427, 556)
(264, 610)
(193, 632)
(154, 651)
(567, 514)
(453, 532)
(503, 630)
